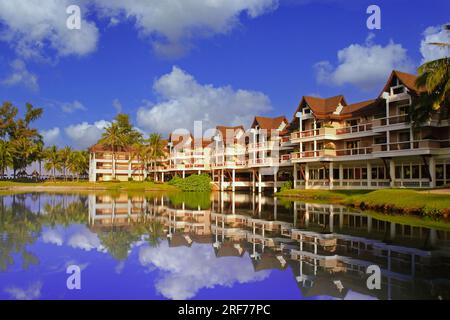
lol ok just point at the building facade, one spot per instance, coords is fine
(328, 144)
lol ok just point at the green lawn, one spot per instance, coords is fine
(128, 185)
(393, 200)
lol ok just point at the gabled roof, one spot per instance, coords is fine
(269, 123)
(407, 79)
(359, 109)
(225, 132)
(321, 107)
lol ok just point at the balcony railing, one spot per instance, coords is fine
(331, 153)
(408, 145)
(403, 118)
(354, 129)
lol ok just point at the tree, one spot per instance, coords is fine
(52, 160)
(26, 142)
(114, 138)
(65, 154)
(78, 163)
(6, 158)
(434, 79)
(155, 149)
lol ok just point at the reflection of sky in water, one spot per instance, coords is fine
(148, 273)
(48, 239)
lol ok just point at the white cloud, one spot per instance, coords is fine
(117, 105)
(53, 236)
(173, 24)
(71, 107)
(183, 100)
(432, 52)
(32, 26)
(85, 134)
(21, 76)
(187, 270)
(30, 293)
(85, 239)
(366, 66)
(51, 136)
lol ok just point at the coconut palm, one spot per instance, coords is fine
(6, 158)
(434, 79)
(155, 149)
(53, 161)
(139, 152)
(114, 138)
(65, 154)
(78, 163)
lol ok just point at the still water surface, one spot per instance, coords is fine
(218, 246)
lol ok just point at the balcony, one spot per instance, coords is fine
(411, 145)
(263, 145)
(354, 129)
(392, 120)
(331, 153)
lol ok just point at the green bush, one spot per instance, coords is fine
(287, 185)
(197, 183)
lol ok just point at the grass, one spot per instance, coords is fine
(407, 201)
(125, 185)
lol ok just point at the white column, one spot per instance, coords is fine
(369, 174)
(233, 173)
(162, 176)
(411, 138)
(315, 140)
(259, 181)
(222, 188)
(253, 181)
(295, 176)
(306, 176)
(184, 174)
(341, 174)
(392, 172)
(331, 169)
(432, 169)
(331, 219)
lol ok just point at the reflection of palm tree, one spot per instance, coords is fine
(117, 242)
(153, 228)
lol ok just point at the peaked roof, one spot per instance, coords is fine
(224, 131)
(321, 107)
(407, 79)
(269, 123)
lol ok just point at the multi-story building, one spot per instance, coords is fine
(329, 144)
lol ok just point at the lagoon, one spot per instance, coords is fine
(213, 246)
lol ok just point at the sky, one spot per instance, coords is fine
(170, 63)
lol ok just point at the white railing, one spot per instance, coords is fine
(354, 129)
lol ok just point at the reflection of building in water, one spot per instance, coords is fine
(327, 247)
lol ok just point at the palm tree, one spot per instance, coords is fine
(65, 154)
(434, 79)
(53, 160)
(156, 149)
(78, 163)
(114, 138)
(6, 158)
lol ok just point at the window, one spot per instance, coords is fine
(306, 110)
(440, 171)
(447, 171)
(351, 123)
(398, 172)
(415, 172)
(403, 136)
(379, 140)
(406, 172)
(403, 110)
(336, 174)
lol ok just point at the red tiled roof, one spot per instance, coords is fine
(269, 123)
(407, 79)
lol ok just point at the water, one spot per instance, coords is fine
(218, 246)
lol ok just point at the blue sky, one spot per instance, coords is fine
(221, 64)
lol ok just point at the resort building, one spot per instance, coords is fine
(328, 144)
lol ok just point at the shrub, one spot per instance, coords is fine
(287, 185)
(198, 183)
